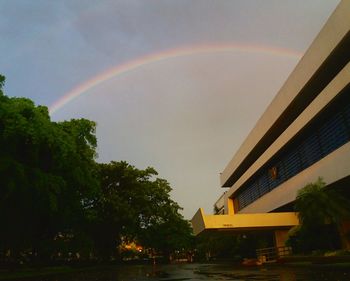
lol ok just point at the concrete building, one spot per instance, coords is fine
(304, 134)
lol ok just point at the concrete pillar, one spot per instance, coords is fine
(229, 208)
(344, 232)
(281, 237)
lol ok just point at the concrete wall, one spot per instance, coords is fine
(325, 97)
(333, 167)
(336, 28)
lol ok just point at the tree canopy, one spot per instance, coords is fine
(320, 210)
(46, 170)
(54, 195)
(317, 205)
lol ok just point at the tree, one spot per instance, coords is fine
(46, 173)
(318, 205)
(320, 211)
(134, 205)
(172, 234)
(2, 82)
(54, 196)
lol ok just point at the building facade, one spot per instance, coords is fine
(304, 134)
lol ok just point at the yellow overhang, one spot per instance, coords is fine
(240, 222)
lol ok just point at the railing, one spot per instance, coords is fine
(272, 254)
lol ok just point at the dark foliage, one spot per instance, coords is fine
(58, 203)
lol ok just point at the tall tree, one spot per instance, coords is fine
(53, 191)
(46, 173)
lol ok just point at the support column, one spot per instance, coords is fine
(281, 237)
(344, 232)
(229, 208)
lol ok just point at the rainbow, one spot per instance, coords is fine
(163, 55)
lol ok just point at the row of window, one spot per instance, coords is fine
(330, 131)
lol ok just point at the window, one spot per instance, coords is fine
(328, 132)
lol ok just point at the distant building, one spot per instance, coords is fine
(303, 134)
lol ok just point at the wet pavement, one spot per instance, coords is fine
(207, 272)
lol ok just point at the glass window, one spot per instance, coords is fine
(329, 133)
(333, 134)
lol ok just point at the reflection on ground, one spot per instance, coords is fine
(205, 272)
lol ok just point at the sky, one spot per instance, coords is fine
(172, 84)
